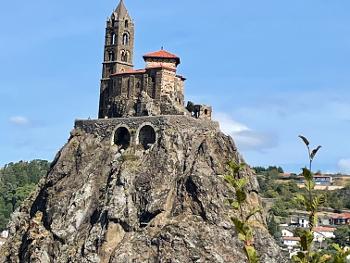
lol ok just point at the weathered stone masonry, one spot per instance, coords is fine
(155, 90)
(139, 129)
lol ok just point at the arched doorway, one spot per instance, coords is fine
(147, 136)
(122, 137)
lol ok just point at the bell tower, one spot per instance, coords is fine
(118, 50)
(119, 42)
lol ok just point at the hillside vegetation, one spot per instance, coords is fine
(17, 181)
(283, 192)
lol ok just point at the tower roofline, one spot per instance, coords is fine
(121, 10)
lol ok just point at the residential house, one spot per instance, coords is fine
(323, 232)
(340, 219)
(291, 242)
(287, 233)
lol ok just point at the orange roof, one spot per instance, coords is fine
(342, 215)
(324, 229)
(162, 54)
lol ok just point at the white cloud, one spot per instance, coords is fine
(244, 137)
(19, 120)
(228, 125)
(344, 165)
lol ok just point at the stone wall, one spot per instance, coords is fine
(156, 92)
(106, 128)
(151, 63)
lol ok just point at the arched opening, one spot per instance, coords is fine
(125, 39)
(113, 39)
(111, 56)
(206, 112)
(111, 69)
(122, 137)
(126, 23)
(147, 136)
(124, 56)
(113, 20)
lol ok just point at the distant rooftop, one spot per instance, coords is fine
(324, 229)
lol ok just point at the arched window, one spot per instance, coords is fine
(124, 56)
(113, 19)
(125, 39)
(113, 39)
(126, 23)
(111, 56)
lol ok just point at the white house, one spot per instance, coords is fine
(287, 233)
(303, 221)
(291, 242)
(323, 232)
(299, 220)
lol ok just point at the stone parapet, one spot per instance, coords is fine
(106, 128)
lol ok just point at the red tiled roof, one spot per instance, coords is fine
(162, 54)
(138, 71)
(343, 216)
(324, 229)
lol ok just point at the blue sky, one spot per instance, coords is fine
(271, 70)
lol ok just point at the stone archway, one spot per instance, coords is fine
(122, 137)
(147, 136)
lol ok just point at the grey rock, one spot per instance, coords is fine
(163, 204)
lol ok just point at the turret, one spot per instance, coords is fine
(161, 58)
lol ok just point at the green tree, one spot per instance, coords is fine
(280, 208)
(342, 235)
(17, 181)
(259, 169)
(273, 227)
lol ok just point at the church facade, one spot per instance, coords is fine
(127, 92)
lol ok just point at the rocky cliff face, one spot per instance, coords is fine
(161, 202)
